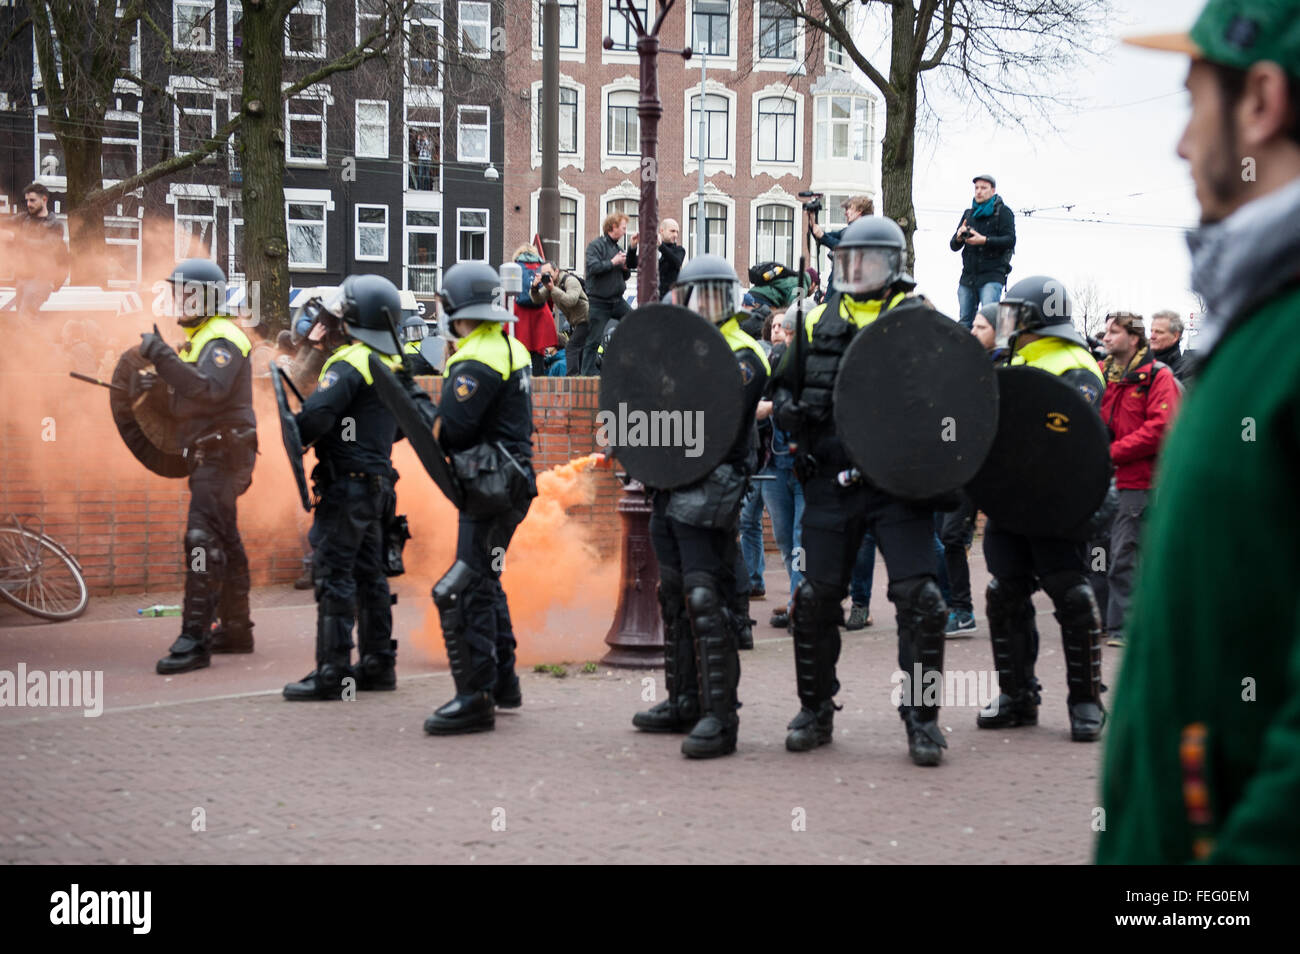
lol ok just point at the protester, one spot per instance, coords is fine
(1203, 760)
(563, 291)
(783, 493)
(1138, 405)
(34, 241)
(986, 238)
(671, 255)
(608, 268)
(1166, 338)
(536, 326)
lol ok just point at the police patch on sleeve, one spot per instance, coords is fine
(1089, 391)
(329, 378)
(465, 385)
(746, 372)
(220, 356)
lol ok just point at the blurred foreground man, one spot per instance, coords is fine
(1203, 762)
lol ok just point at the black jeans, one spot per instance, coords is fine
(602, 311)
(348, 568)
(481, 542)
(956, 532)
(1013, 556)
(573, 350)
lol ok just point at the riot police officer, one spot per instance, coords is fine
(839, 506)
(485, 421)
(414, 332)
(211, 396)
(353, 434)
(1034, 321)
(694, 533)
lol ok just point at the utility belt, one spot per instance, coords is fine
(217, 444)
(493, 480)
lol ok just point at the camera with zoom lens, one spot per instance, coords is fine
(815, 205)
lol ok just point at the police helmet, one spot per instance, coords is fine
(870, 257)
(413, 328)
(708, 286)
(469, 291)
(199, 290)
(369, 307)
(1040, 305)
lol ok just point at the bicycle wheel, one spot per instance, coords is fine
(39, 576)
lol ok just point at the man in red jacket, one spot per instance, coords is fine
(1140, 400)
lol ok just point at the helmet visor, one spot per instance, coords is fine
(414, 331)
(865, 269)
(712, 299)
(1013, 316)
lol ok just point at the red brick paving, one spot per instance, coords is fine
(566, 775)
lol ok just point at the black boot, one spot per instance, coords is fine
(680, 709)
(376, 670)
(718, 661)
(1076, 611)
(814, 624)
(473, 708)
(333, 654)
(508, 694)
(744, 623)
(234, 632)
(922, 617)
(1015, 649)
(192, 648)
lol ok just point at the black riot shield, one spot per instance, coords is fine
(144, 419)
(916, 403)
(394, 397)
(289, 432)
(1049, 468)
(671, 396)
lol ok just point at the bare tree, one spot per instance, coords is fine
(997, 54)
(1089, 307)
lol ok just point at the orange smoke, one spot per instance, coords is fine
(562, 595)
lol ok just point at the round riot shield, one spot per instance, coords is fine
(144, 421)
(916, 403)
(1049, 468)
(671, 396)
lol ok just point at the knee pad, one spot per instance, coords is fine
(921, 596)
(670, 590)
(203, 553)
(817, 604)
(449, 592)
(1009, 597)
(1076, 606)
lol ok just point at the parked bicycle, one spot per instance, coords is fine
(38, 574)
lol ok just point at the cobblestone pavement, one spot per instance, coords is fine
(563, 779)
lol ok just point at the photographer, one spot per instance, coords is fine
(986, 238)
(855, 206)
(564, 291)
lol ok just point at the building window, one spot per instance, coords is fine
(424, 148)
(568, 25)
(195, 227)
(122, 236)
(568, 233)
(232, 146)
(632, 209)
(306, 222)
(235, 268)
(774, 241)
(50, 162)
(711, 27)
(235, 31)
(476, 29)
(372, 233)
(776, 130)
(621, 30)
(776, 29)
(304, 30)
(471, 235)
(715, 126)
(372, 128)
(121, 153)
(304, 140)
(843, 127)
(194, 118)
(472, 134)
(568, 132)
(715, 229)
(423, 244)
(192, 24)
(423, 42)
(624, 125)
(372, 20)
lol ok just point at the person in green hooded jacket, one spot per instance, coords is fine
(1203, 756)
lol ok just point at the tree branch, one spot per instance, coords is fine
(939, 53)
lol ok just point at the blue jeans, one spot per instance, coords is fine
(751, 535)
(863, 572)
(783, 498)
(970, 298)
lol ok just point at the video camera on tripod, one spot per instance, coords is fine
(815, 205)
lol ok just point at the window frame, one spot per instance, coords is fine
(322, 94)
(858, 131)
(579, 18)
(423, 22)
(233, 275)
(462, 230)
(357, 123)
(122, 221)
(796, 43)
(610, 17)
(358, 226)
(193, 192)
(122, 116)
(728, 165)
(729, 15)
(59, 182)
(407, 231)
(693, 125)
(629, 138)
(775, 199)
(579, 199)
(486, 51)
(575, 124)
(193, 85)
(308, 8)
(729, 233)
(322, 197)
(462, 126)
(211, 7)
(358, 16)
(410, 164)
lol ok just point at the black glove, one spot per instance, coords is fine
(790, 416)
(141, 383)
(152, 346)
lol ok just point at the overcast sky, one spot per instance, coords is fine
(1112, 160)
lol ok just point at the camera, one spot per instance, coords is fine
(815, 205)
(546, 278)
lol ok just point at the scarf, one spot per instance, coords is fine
(1110, 367)
(980, 210)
